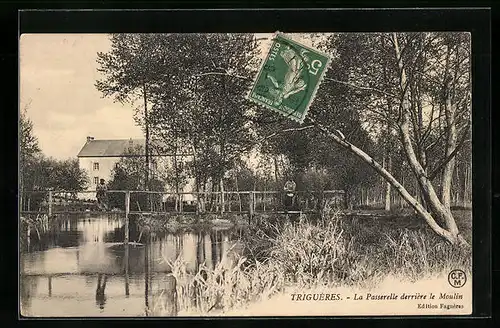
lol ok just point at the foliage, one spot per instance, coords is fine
(28, 148)
(28, 143)
(403, 96)
(48, 173)
(194, 89)
(40, 173)
(129, 173)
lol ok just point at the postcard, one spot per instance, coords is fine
(245, 174)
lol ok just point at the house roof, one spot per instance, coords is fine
(109, 148)
(117, 148)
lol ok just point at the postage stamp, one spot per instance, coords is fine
(289, 77)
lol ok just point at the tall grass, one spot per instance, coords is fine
(37, 225)
(328, 251)
(226, 286)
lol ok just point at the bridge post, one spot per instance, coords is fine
(251, 208)
(181, 201)
(50, 203)
(197, 203)
(127, 211)
(127, 256)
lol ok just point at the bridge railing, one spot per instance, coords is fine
(139, 201)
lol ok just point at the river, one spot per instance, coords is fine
(81, 268)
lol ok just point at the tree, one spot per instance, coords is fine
(39, 173)
(203, 110)
(48, 173)
(129, 69)
(308, 150)
(42, 174)
(128, 174)
(28, 150)
(394, 74)
(28, 145)
(404, 96)
(192, 87)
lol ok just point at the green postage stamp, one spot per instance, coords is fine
(289, 77)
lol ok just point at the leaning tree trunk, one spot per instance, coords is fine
(449, 167)
(450, 236)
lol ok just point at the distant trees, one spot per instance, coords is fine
(44, 173)
(38, 172)
(48, 173)
(28, 147)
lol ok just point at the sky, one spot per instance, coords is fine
(57, 77)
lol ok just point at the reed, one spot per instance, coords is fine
(329, 252)
(38, 225)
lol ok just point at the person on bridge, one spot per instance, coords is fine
(101, 195)
(289, 190)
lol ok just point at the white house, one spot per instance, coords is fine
(99, 157)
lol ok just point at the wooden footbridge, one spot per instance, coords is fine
(127, 202)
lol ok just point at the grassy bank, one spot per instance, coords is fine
(328, 252)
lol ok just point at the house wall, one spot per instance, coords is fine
(107, 164)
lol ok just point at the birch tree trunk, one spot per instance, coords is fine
(276, 171)
(238, 192)
(466, 186)
(176, 177)
(451, 140)
(442, 212)
(388, 188)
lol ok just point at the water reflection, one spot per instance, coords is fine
(100, 297)
(81, 268)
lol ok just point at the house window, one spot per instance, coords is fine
(96, 180)
(96, 166)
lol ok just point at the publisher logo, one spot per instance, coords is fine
(457, 278)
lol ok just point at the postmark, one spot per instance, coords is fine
(289, 77)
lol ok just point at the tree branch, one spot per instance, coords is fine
(452, 154)
(273, 135)
(285, 130)
(223, 74)
(361, 87)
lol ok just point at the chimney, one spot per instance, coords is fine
(89, 138)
